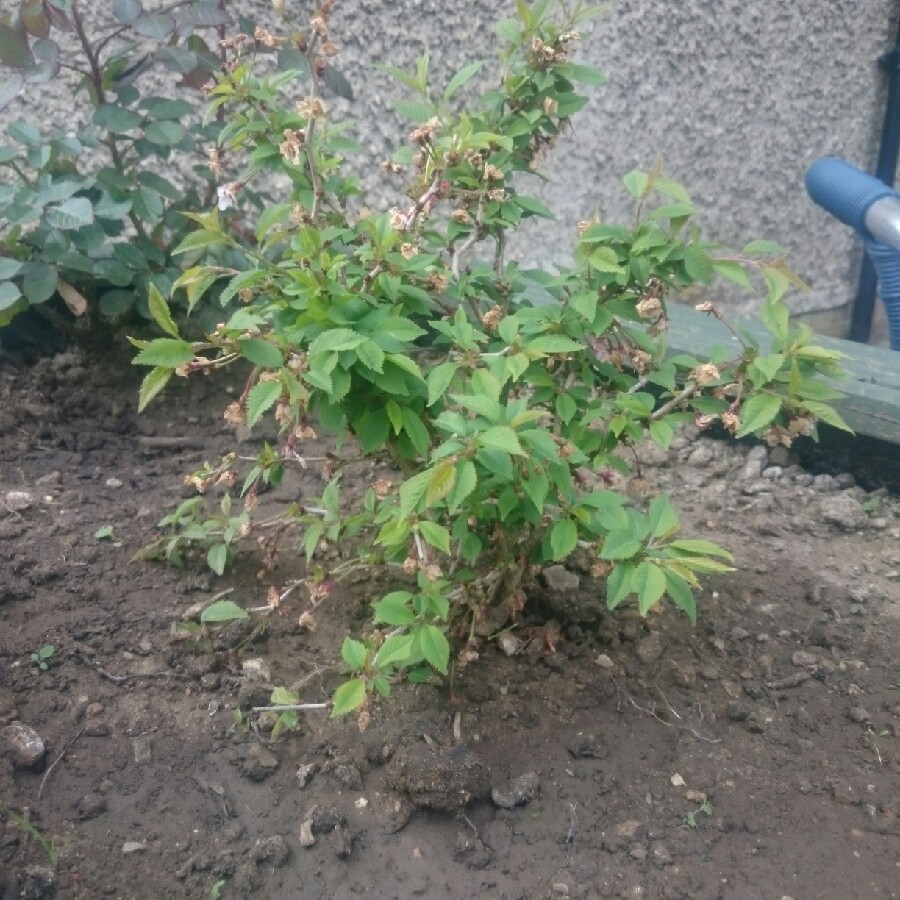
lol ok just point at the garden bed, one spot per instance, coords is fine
(756, 756)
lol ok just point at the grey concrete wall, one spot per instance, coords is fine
(737, 96)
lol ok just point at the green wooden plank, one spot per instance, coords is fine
(872, 402)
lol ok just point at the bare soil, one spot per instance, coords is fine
(756, 757)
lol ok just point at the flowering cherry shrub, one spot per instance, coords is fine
(507, 399)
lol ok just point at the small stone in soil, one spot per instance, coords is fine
(18, 501)
(133, 847)
(256, 669)
(272, 850)
(307, 838)
(305, 774)
(604, 661)
(96, 728)
(521, 791)
(804, 658)
(738, 712)
(628, 829)
(859, 715)
(143, 749)
(22, 745)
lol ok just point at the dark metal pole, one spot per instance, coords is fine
(885, 170)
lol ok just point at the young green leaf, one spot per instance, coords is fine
(563, 538)
(354, 654)
(435, 647)
(159, 310)
(394, 609)
(262, 396)
(348, 697)
(222, 611)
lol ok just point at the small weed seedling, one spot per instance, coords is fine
(43, 656)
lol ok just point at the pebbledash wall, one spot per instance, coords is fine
(737, 96)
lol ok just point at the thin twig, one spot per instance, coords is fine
(653, 714)
(52, 765)
(676, 401)
(291, 707)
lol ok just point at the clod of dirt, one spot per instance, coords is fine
(441, 779)
(521, 791)
(563, 598)
(7, 707)
(471, 851)
(256, 762)
(271, 850)
(650, 648)
(326, 820)
(844, 512)
(90, 806)
(22, 746)
(859, 715)
(587, 746)
(253, 693)
(345, 771)
(39, 883)
(804, 658)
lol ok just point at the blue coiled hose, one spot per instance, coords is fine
(871, 208)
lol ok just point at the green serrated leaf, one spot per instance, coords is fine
(393, 609)
(217, 559)
(435, 535)
(563, 538)
(396, 648)
(336, 339)
(554, 343)
(74, 213)
(705, 548)
(159, 311)
(262, 397)
(500, 437)
(154, 381)
(662, 517)
(261, 353)
(416, 430)
(649, 583)
(620, 545)
(461, 77)
(167, 352)
(440, 481)
(222, 611)
(348, 697)
(758, 413)
(354, 653)
(434, 646)
(439, 379)
(466, 482)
